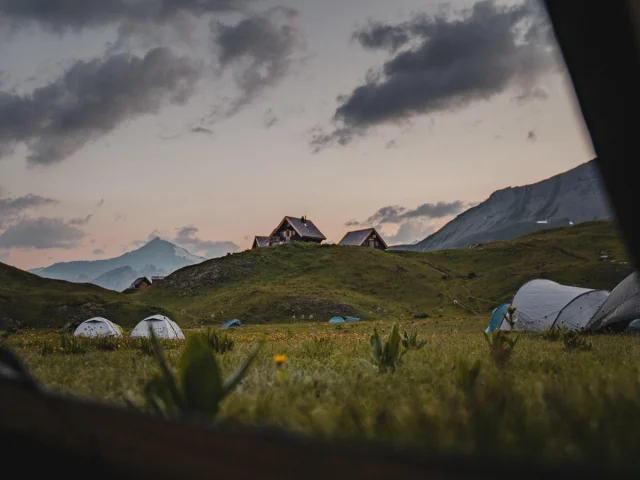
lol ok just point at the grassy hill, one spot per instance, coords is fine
(36, 301)
(276, 284)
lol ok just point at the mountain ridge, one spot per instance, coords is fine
(156, 257)
(572, 197)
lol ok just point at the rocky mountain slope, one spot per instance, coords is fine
(157, 257)
(569, 198)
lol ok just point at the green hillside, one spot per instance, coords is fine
(276, 284)
(36, 301)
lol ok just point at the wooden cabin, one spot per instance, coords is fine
(291, 229)
(140, 283)
(369, 237)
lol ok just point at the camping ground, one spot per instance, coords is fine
(546, 402)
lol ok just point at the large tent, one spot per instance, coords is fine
(162, 326)
(97, 327)
(620, 308)
(539, 304)
(337, 320)
(497, 317)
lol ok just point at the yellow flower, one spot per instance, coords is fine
(280, 359)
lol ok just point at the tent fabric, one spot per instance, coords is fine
(621, 306)
(634, 326)
(539, 302)
(577, 313)
(337, 320)
(352, 319)
(497, 317)
(162, 326)
(97, 327)
(232, 323)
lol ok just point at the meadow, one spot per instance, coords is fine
(548, 401)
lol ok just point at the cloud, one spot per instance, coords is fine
(187, 237)
(41, 233)
(532, 136)
(260, 49)
(410, 232)
(91, 99)
(119, 217)
(426, 211)
(100, 203)
(11, 208)
(444, 65)
(80, 220)
(98, 251)
(391, 144)
(269, 119)
(202, 130)
(60, 16)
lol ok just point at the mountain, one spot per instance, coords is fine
(157, 257)
(569, 198)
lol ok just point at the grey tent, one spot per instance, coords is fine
(620, 308)
(634, 326)
(542, 304)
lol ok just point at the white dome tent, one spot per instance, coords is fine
(539, 302)
(162, 326)
(577, 313)
(620, 308)
(97, 327)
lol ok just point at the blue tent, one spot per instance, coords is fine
(497, 316)
(337, 320)
(634, 326)
(352, 319)
(232, 323)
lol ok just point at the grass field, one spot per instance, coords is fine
(546, 403)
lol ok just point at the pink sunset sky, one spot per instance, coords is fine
(120, 124)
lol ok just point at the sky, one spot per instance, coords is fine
(205, 122)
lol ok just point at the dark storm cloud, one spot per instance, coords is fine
(187, 237)
(426, 211)
(41, 233)
(62, 15)
(11, 208)
(259, 49)
(448, 63)
(91, 99)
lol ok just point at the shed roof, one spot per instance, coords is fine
(262, 241)
(139, 280)
(305, 228)
(357, 237)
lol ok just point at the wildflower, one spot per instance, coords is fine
(279, 359)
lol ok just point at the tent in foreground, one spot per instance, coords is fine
(540, 303)
(337, 320)
(497, 317)
(620, 308)
(162, 326)
(98, 327)
(231, 323)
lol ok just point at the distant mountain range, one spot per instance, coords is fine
(157, 257)
(566, 199)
